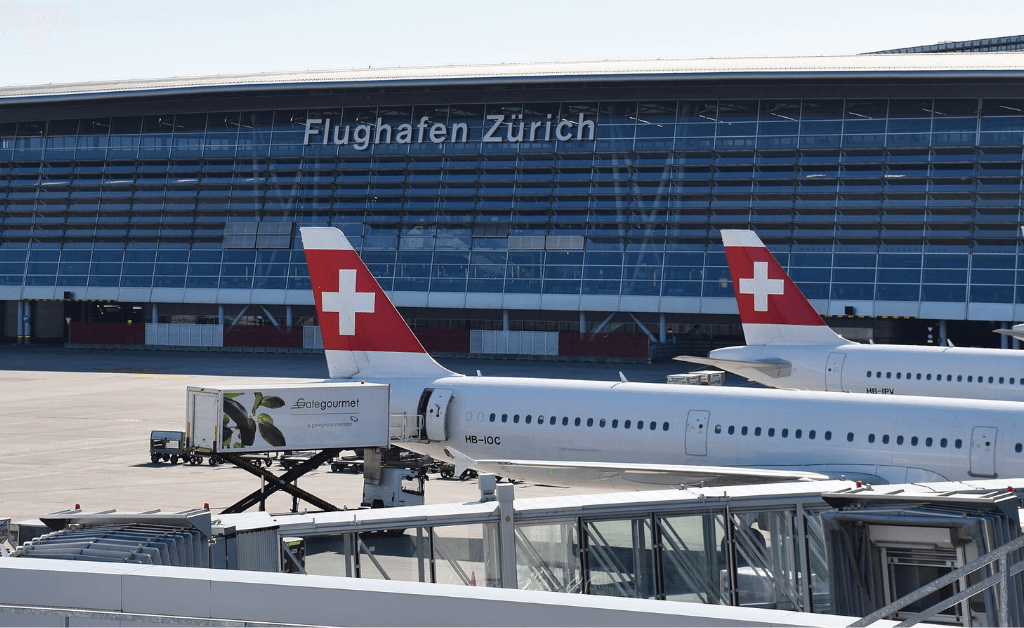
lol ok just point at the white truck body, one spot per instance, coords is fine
(315, 415)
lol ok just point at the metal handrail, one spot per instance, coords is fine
(999, 554)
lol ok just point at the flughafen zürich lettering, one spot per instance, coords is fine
(511, 128)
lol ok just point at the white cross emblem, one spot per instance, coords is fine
(761, 286)
(346, 302)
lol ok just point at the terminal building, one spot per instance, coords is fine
(498, 205)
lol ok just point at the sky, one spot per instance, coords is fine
(91, 40)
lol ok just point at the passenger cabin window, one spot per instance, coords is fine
(602, 423)
(529, 418)
(928, 377)
(515, 418)
(871, 438)
(615, 423)
(849, 437)
(565, 420)
(918, 376)
(959, 378)
(970, 378)
(828, 435)
(578, 421)
(493, 416)
(664, 427)
(798, 433)
(888, 375)
(785, 432)
(943, 443)
(928, 442)
(590, 422)
(757, 431)
(627, 424)
(898, 375)
(1018, 448)
(913, 441)
(504, 418)
(743, 430)
(639, 425)
(899, 440)
(878, 373)
(885, 439)
(771, 432)
(869, 374)
(718, 429)
(958, 443)
(811, 434)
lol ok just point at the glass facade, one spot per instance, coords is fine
(885, 200)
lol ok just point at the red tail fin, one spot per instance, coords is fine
(362, 331)
(772, 308)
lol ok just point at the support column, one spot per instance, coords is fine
(942, 333)
(504, 320)
(21, 321)
(662, 335)
(1004, 340)
(220, 314)
(583, 322)
(28, 322)
(288, 316)
(154, 312)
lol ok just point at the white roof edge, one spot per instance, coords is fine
(736, 67)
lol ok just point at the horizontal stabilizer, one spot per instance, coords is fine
(771, 368)
(576, 473)
(1017, 331)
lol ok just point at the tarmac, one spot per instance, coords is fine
(75, 425)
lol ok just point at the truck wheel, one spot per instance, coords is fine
(268, 462)
(212, 462)
(166, 458)
(174, 460)
(155, 458)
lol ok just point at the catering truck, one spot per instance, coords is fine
(274, 417)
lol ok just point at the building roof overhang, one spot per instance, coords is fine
(1002, 65)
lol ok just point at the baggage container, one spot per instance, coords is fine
(275, 417)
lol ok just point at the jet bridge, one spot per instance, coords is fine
(783, 547)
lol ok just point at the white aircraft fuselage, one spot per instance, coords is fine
(860, 436)
(887, 369)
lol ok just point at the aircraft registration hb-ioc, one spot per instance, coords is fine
(620, 433)
(790, 346)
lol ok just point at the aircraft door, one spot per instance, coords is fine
(697, 432)
(435, 414)
(983, 452)
(834, 372)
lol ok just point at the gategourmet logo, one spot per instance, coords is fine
(501, 128)
(325, 404)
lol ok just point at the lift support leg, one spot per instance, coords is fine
(285, 482)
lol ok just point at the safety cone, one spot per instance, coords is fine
(472, 578)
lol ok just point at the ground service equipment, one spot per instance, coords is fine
(308, 416)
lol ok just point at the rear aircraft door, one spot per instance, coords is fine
(697, 432)
(983, 452)
(834, 371)
(435, 413)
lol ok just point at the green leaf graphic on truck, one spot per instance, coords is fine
(240, 425)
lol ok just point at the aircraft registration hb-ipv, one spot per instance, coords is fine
(790, 346)
(574, 432)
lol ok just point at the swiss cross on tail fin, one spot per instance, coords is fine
(362, 331)
(772, 309)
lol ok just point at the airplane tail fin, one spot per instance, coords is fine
(364, 335)
(772, 308)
